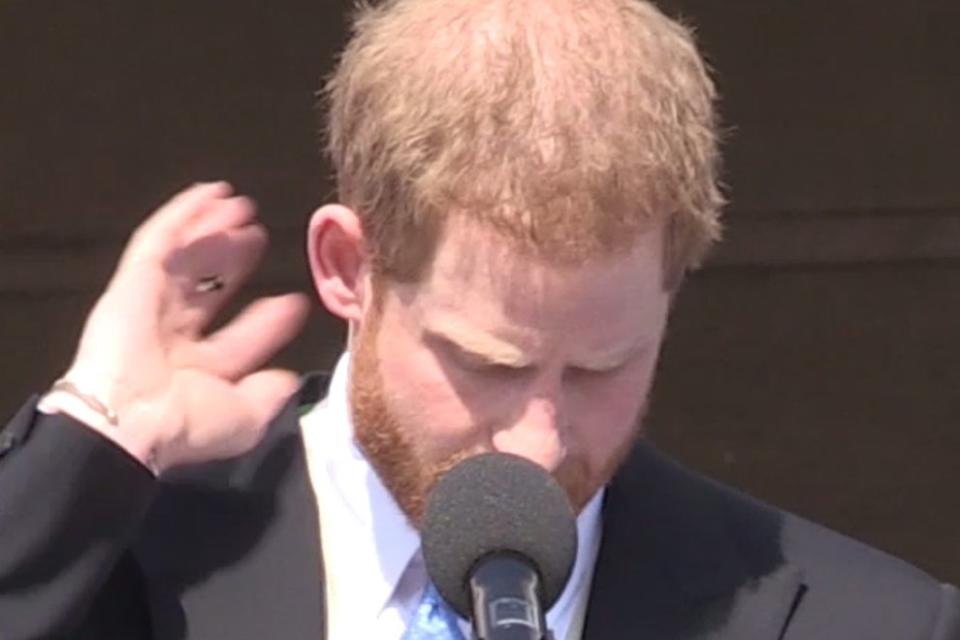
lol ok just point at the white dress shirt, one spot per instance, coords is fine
(374, 573)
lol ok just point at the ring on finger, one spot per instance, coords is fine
(209, 284)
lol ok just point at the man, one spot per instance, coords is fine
(523, 185)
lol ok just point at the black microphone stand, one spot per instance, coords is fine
(506, 596)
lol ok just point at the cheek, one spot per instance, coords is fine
(606, 413)
(424, 402)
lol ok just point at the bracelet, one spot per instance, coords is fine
(65, 386)
(102, 410)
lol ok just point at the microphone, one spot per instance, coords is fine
(499, 538)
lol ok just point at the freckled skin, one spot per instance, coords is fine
(499, 351)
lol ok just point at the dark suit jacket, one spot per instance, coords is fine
(92, 546)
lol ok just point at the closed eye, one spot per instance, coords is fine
(597, 372)
(583, 372)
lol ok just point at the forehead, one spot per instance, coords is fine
(479, 281)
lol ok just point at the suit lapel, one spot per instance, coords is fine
(232, 550)
(762, 608)
(684, 559)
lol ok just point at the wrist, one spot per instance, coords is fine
(69, 398)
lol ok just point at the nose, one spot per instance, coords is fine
(537, 434)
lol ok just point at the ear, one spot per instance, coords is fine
(339, 261)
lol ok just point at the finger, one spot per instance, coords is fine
(250, 340)
(229, 257)
(161, 230)
(266, 392)
(218, 216)
(186, 205)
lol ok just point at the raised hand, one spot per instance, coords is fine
(180, 395)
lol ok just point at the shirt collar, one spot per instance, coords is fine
(382, 540)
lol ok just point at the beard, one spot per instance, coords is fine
(389, 445)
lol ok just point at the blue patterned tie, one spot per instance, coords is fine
(433, 619)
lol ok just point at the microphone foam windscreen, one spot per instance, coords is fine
(496, 502)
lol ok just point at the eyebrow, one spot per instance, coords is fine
(480, 347)
(484, 349)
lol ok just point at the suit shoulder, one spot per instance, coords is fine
(847, 585)
(844, 575)
(827, 554)
(815, 546)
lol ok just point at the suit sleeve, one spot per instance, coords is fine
(71, 501)
(948, 621)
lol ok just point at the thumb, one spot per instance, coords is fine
(267, 391)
